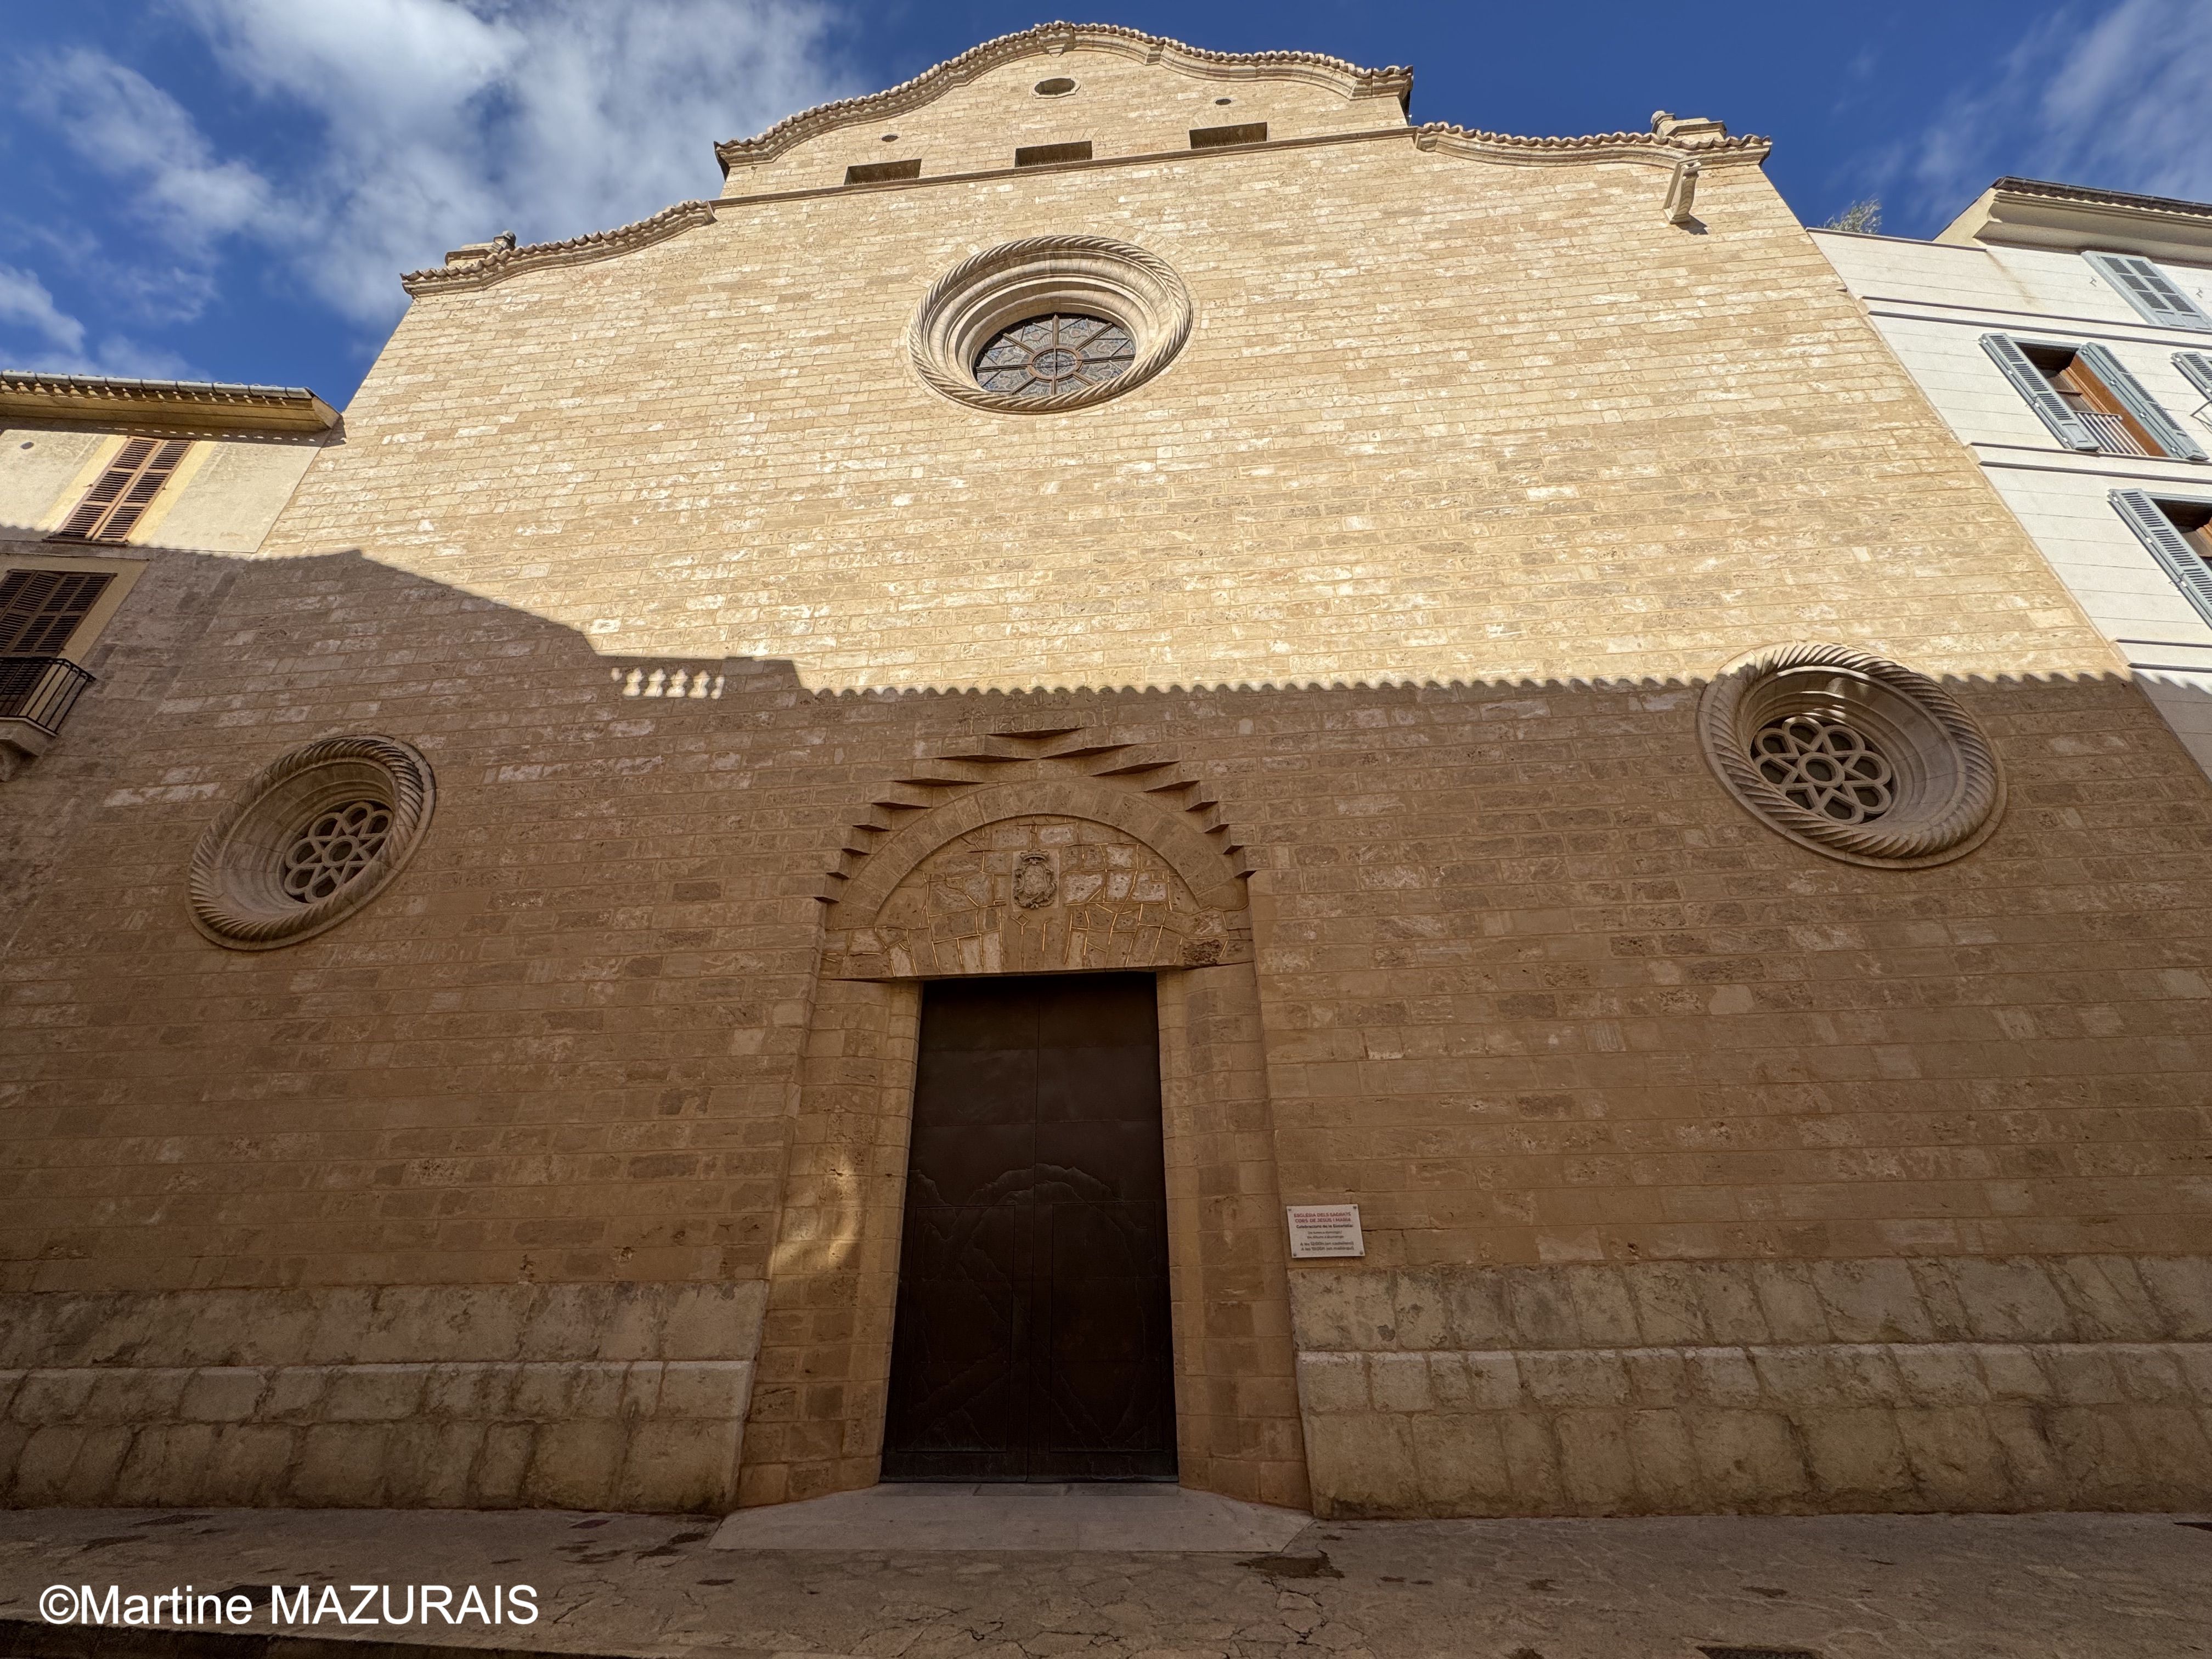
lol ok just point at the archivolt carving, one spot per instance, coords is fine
(1038, 893)
(1186, 851)
(1333, 73)
(1091, 852)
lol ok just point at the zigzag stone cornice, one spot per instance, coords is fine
(576, 250)
(1348, 79)
(1452, 140)
(946, 770)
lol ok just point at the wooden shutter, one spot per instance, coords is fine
(2165, 432)
(2028, 379)
(2154, 295)
(2167, 545)
(40, 609)
(122, 493)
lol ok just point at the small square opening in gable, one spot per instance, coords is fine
(1244, 132)
(1039, 156)
(879, 173)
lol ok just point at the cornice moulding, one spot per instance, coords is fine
(1472, 142)
(576, 250)
(210, 406)
(2071, 218)
(1349, 80)
(1464, 142)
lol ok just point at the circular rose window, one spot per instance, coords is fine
(1826, 766)
(1851, 754)
(313, 837)
(1049, 324)
(1054, 353)
(339, 845)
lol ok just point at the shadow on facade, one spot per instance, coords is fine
(1499, 961)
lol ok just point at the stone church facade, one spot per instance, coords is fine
(1475, 640)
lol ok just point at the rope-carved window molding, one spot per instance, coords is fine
(1850, 754)
(1049, 324)
(313, 836)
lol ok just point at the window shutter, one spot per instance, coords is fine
(122, 493)
(2190, 573)
(2028, 379)
(2196, 368)
(2155, 297)
(147, 485)
(40, 609)
(2164, 429)
(106, 489)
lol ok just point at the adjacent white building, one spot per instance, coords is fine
(2066, 335)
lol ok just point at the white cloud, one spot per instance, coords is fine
(122, 123)
(55, 341)
(2114, 101)
(444, 123)
(25, 302)
(400, 128)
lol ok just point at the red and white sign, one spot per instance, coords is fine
(1325, 1229)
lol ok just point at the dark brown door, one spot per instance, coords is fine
(1031, 1341)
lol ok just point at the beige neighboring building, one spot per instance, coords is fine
(96, 475)
(1129, 772)
(100, 477)
(2065, 336)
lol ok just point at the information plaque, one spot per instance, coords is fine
(1325, 1229)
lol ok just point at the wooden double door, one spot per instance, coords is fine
(1031, 1341)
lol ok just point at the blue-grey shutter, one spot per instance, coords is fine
(2028, 379)
(2155, 297)
(2174, 554)
(2196, 368)
(2167, 432)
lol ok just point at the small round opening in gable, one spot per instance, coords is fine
(1058, 87)
(1049, 324)
(311, 839)
(1851, 754)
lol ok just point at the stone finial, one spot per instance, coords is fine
(1667, 125)
(470, 253)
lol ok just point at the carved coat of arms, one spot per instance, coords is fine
(1034, 881)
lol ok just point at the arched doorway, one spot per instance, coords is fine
(1042, 875)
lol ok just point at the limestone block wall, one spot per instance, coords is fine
(1125, 101)
(1392, 595)
(574, 1396)
(1765, 1386)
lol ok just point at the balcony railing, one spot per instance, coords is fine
(40, 690)
(2112, 436)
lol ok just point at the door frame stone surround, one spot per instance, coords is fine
(818, 1410)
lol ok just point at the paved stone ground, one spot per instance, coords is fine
(2067, 1587)
(1144, 1515)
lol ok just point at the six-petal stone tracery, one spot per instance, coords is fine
(1053, 354)
(338, 845)
(1825, 768)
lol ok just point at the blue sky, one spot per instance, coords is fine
(229, 189)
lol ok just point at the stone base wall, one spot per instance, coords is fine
(2021, 1384)
(572, 1396)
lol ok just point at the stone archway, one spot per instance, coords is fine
(1044, 872)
